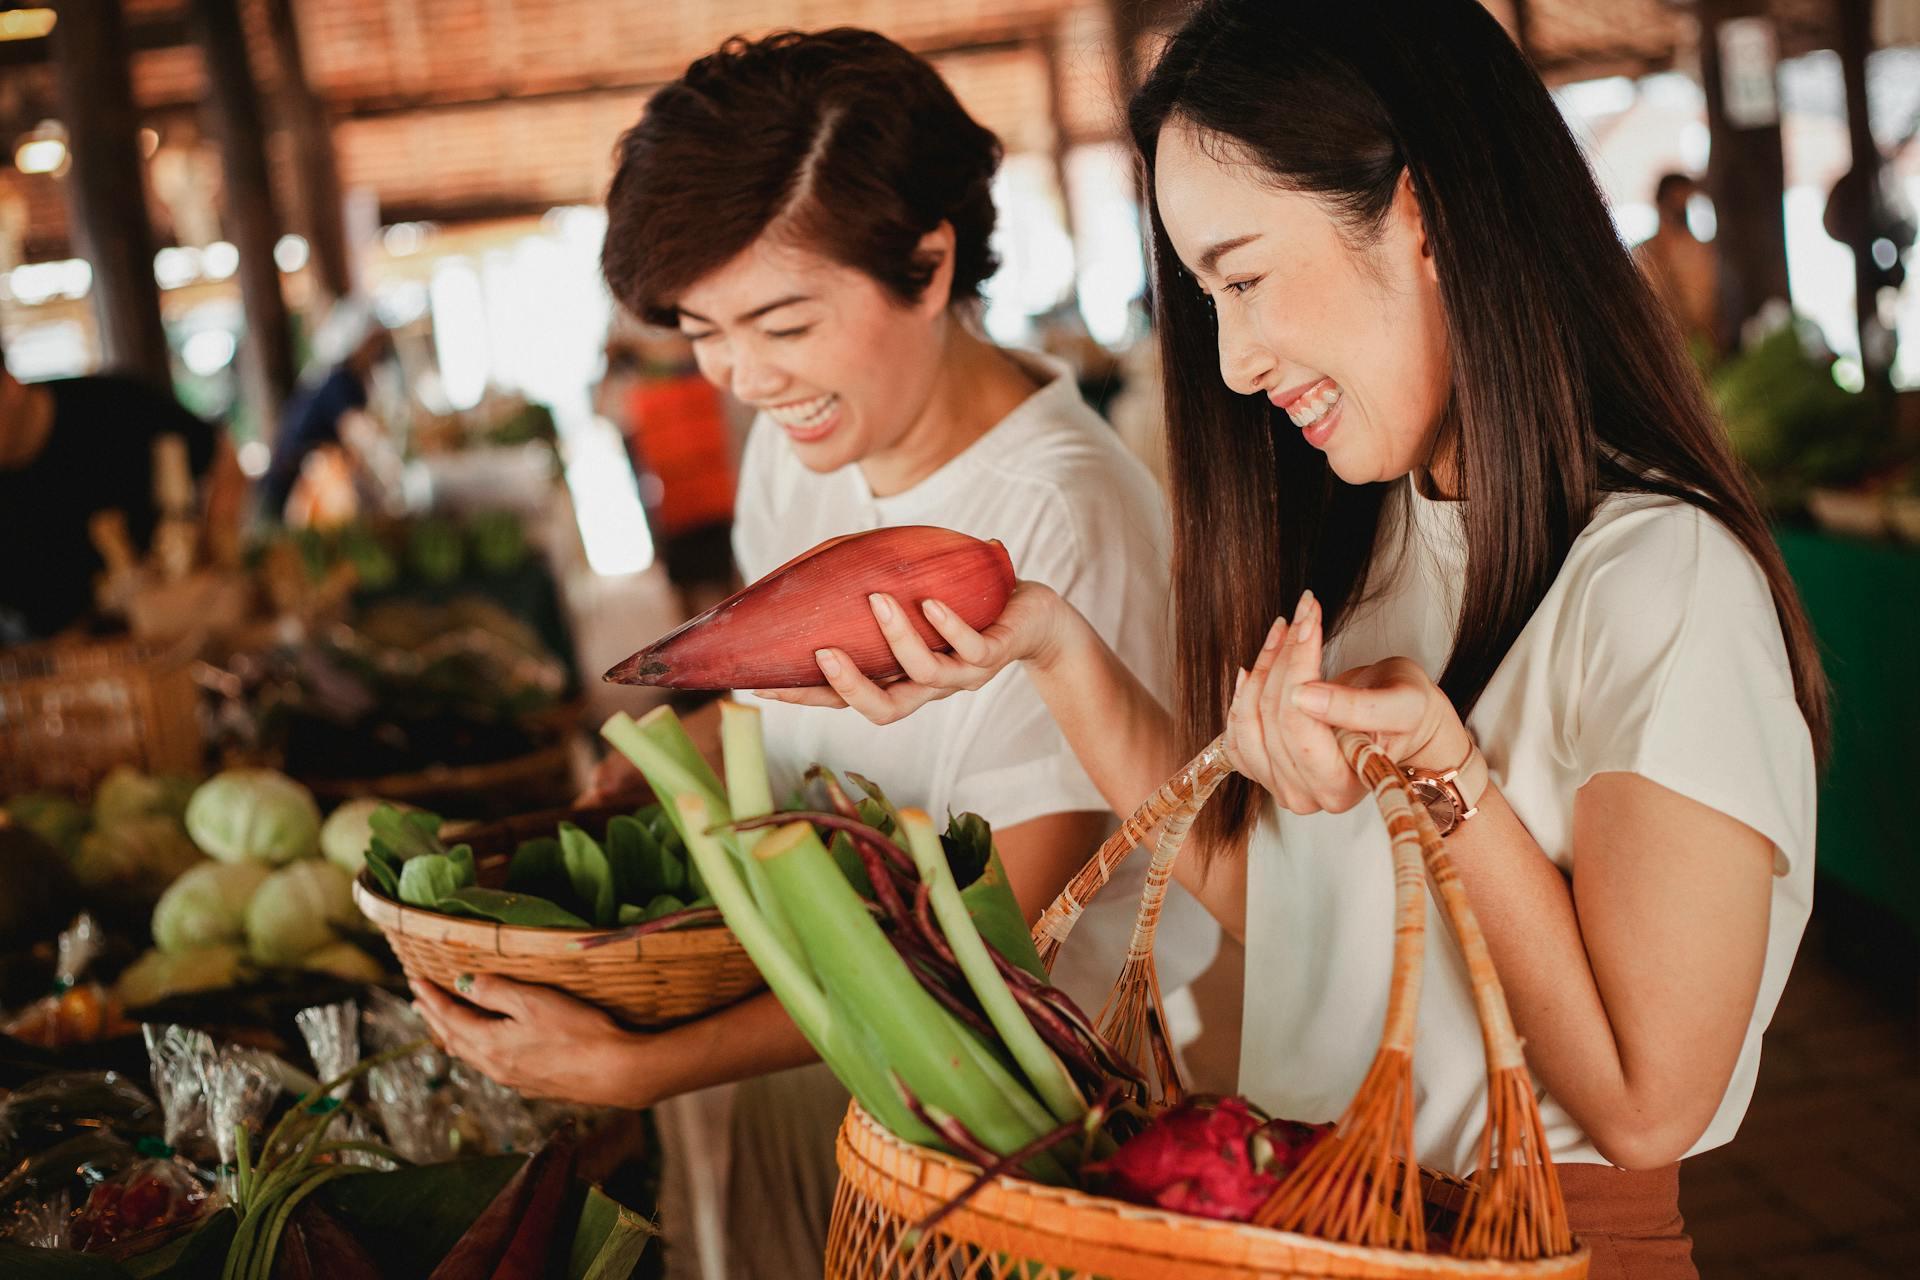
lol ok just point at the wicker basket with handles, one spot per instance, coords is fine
(650, 981)
(1358, 1208)
(71, 711)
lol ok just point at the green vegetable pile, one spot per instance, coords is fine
(639, 875)
(262, 898)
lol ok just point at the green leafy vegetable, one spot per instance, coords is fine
(503, 907)
(425, 880)
(590, 873)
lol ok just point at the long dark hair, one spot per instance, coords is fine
(1568, 382)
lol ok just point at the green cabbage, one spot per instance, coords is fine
(127, 793)
(347, 832)
(157, 975)
(145, 853)
(254, 814)
(295, 912)
(207, 905)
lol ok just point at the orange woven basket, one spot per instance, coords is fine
(69, 712)
(1358, 1208)
(646, 982)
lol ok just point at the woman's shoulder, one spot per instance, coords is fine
(1641, 550)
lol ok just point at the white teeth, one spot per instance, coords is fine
(1309, 409)
(804, 413)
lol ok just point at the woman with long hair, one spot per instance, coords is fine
(812, 211)
(1443, 473)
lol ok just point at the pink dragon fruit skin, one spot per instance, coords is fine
(1213, 1158)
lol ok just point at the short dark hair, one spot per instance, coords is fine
(1670, 183)
(840, 139)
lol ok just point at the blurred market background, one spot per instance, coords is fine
(263, 206)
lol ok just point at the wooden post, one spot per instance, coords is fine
(251, 222)
(323, 208)
(111, 227)
(1852, 217)
(1746, 169)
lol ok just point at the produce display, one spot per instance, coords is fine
(410, 686)
(131, 841)
(765, 636)
(382, 554)
(262, 898)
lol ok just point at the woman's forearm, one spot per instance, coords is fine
(748, 1039)
(1641, 1067)
(1127, 743)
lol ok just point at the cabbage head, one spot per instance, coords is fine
(207, 905)
(347, 832)
(56, 819)
(296, 911)
(144, 853)
(127, 793)
(157, 975)
(255, 814)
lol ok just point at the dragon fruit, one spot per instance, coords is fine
(1211, 1157)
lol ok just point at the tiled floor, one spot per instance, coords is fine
(1823, 1182)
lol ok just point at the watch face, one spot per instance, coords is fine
(1439, 803)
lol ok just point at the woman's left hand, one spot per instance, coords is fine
(542, 1042)
(1280, 725)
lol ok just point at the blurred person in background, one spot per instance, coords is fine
(349, 348)
(70, 448)
(813, 213)
(1683, 269)
(677, 435)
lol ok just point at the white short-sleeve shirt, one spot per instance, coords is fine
(1656, 651)
(1076, 511)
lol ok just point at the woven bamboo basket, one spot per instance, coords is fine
(1358, 1208)
(534, 780)
(69, 712)
(646, 982)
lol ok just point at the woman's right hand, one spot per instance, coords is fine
(1029, 629)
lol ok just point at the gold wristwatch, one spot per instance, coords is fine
(1445, 792)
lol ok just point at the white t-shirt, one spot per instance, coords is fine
(1656, 651)
(1075, 511)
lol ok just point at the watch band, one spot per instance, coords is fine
(1451, 796)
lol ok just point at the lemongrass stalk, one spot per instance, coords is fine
(937, 1058)
(825, 1026)
(744, 757)
(1043, 1070)
(659, 747)
(784, 967)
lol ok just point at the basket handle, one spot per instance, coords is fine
(1178, 803)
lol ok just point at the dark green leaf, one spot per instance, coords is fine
(465, 874)
(968, 843)
(536, 868)
(589, 872)
(505, 907)
(385, 868)
(407, 835)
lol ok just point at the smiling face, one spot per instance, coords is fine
(1349, 340)
(832, 357)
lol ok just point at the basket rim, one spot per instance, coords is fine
(404, 920)
(863, 1139)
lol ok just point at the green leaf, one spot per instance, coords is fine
(506, 907)
(385, 868)
(425, 880)
(536, 868)
(968, 843)
(590, 873)
(466, 874)
(406, 835)
(997, 916)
